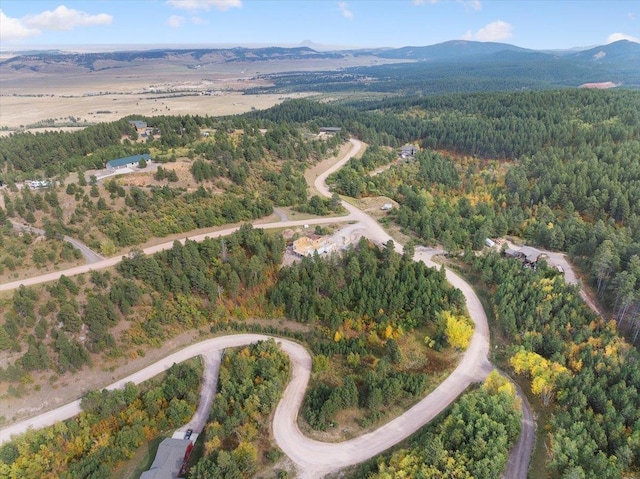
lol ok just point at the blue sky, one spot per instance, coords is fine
(538, 24)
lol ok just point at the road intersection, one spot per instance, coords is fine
(313, 459)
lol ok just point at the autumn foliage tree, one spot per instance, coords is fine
(112, 426)
(543, 373)
(458, 329)
(575, 358)
(471, 441)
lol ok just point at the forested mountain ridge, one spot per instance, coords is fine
(559, 168)
(450, 51)
(620, 51)
(461, 67)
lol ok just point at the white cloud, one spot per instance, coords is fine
(493, 32)
(59, 20)
(344, 9)
(198, 21)
(13, 29)
(175, 21)
(422, 2)
(221, 5)
(65, 19)
(472, 4)
(614, 37)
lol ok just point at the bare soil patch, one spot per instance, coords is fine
(22, 110)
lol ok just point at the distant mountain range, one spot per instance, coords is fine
(38, 61)
(457, 50)
(454, 50)
(620, 51)
(617, 62)
(450, 51)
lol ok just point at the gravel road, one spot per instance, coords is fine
(520, 455)
(313, 459)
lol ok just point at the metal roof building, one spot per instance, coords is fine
(128, 161)
(171, 455)
(525, 253)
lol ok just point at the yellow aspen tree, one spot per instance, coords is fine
(459, 331)
(543, 373)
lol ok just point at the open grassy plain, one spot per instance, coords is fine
(29, 97)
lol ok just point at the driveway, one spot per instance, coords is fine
(313, 459)
(89, 255)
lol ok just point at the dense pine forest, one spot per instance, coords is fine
(555, 169)
(576, 362)
(559, 169)
(472, 440)
(373, 305)
(186, 287)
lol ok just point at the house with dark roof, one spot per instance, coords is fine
(526, 254)
(139, 125)
(128, 162)
(330, 129)
(408, 151)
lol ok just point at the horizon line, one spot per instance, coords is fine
(115, 47)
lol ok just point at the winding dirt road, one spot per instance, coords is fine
(313, 459)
